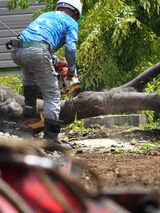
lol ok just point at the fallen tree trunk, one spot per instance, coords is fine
(88, 104)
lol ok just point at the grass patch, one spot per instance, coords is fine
(148, 126)
(151, 126)
(121, 152)
(78, 126)
(147, 147)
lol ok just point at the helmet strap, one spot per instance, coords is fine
(79, 20)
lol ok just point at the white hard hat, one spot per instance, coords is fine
(75, 4)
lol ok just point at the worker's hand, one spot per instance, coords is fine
(75, 80)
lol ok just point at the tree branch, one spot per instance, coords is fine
(141, 80)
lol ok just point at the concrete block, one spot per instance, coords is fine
(116, 120)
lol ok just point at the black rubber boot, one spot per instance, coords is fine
(52, 129)
(30, 95)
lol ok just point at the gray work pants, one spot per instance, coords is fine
(38, 70)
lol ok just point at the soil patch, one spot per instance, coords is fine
(118, 168)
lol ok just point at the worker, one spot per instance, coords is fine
(33, 50)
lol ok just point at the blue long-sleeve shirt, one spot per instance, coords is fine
(57, 29)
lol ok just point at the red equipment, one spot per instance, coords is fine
(67, 85)
(36, 184)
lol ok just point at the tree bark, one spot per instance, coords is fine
(88, 104)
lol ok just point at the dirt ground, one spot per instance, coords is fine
(119, 168)
(112, 158)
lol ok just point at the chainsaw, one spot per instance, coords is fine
(67, 85)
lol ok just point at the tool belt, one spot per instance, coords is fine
(17, 43)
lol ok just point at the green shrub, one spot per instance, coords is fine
(12, 81)
(153, 116)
